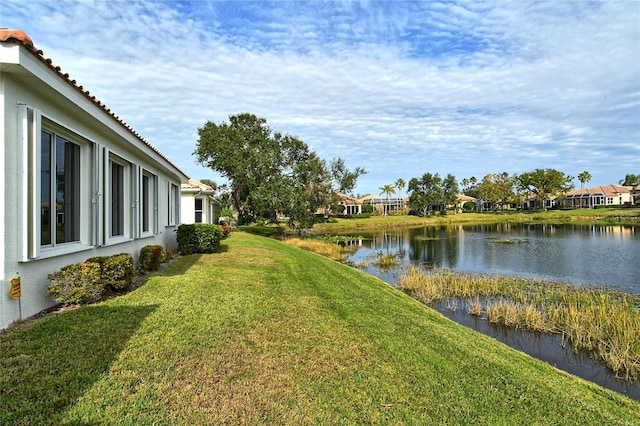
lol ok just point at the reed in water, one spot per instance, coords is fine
(602, 321)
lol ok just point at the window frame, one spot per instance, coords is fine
(148, 203)
(197, 211)
(127, 189)
(31, 124)
(173, 195)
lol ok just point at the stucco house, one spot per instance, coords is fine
(385, 205)
(461, 200)
(604, 195)
(351, 204)
(198, 204)
(77, 181)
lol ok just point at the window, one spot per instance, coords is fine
(145, 203)
(117, 199)
(198, 210)
(118, 190)
(174, 204)
(148, 196)
(59, 190)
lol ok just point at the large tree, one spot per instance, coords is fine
(497, 188)
(450, 191)
(268, 172)
(543, 183)
(426, 193)
(344, 180)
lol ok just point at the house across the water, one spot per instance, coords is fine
(604, 195)
(77, 180)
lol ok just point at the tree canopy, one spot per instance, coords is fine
(497, 188)
(584, 177)
(344, 180)
(270, 173)
(544, 183)
(431, 192)
(631, 180)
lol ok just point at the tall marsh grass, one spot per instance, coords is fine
(599, 320)
(328, 249)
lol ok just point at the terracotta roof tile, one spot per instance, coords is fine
(17, 36)
(607, 190)
(196, 185)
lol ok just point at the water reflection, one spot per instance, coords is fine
(580, 254)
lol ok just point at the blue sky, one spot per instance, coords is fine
(398, 87)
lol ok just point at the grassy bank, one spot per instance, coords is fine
(264, 332)
(605, 216)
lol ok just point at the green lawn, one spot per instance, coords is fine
(266, 333)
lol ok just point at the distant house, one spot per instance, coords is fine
(531, 203)
(198, 204)
(77, 181)
(462, 199)
(385, 205)
(351, 205)
(605, 195)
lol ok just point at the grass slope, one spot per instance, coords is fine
(268, 333)
(602, 216)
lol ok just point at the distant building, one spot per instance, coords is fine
(385, 205)
(198, 204)
(605, 195)
(351, 205)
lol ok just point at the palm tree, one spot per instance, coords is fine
(465, 184)
(584, 177)
(400, 184)
(387, 189)
(630, 180)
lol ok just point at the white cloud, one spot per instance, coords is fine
(400, 88)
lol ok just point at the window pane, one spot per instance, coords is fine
(45, 189)
(117, 199)
(176, 205)
(145, 203)
(67, 191)
(198, 210)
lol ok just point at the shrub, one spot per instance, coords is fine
(78, 283)
(168, 253)
(198, 238)
(116, 271)
(151, 257)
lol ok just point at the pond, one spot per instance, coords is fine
(578, 254)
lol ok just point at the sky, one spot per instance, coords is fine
(400, 88)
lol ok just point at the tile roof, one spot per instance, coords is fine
(16, 36)
(607, 190)
(463, 197)
(194, 184)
